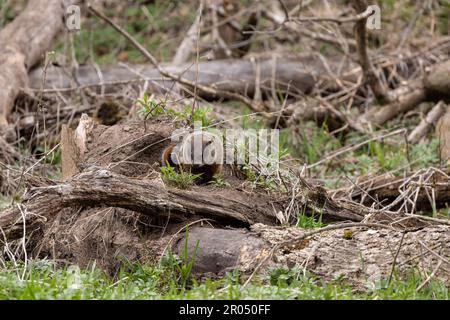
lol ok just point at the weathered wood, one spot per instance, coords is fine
(430, 121)
(435, 86)
(23, 42)
(222, 250)
(386, 188)
(404, 99)
(74, 146)
(101, 187)
(69, 153)
(228, 75)
(360, 256)
(437, 80)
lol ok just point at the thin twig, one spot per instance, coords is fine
(395, 257)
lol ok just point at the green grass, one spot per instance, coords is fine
(219, 181)
(158, 26)
(305, 221)
(150, 107)
(43, 280)
(153, 108)
(181, 179)
(198, 114)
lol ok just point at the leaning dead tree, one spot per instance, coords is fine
(23, 43)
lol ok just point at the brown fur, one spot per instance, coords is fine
(207, 171)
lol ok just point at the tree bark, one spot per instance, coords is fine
(99, 187)
(228, 75)
(430, 121)
(416, 186)
(434, 86)
(360, 256)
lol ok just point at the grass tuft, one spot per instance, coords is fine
(181, 179)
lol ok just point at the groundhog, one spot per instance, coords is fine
(205, 158)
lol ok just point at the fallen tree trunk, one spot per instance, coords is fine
(238, 76)
(101, 187)
(359, 256)
(437, 80)
(434, 86)
(114, 204)
(423, 190)
(23, 42)
(132, 152)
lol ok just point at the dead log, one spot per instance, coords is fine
(423, 190)
(437, 80)
(360, 256)
(427, 123)
(222, 250)
(23, 42)
(131, 152)
(434, 86)
(70, 154)
(103, 214)
(131, 149)
(236, 76)
(73, 146)
(101, 187)
(404, 99)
